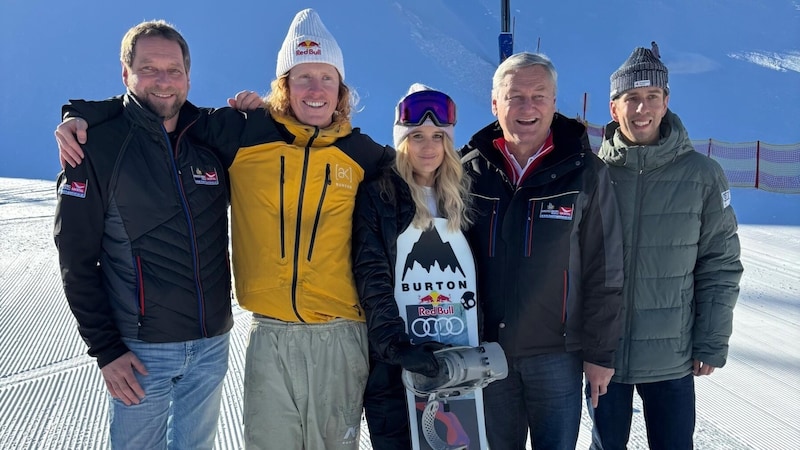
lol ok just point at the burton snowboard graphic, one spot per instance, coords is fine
(435, 293)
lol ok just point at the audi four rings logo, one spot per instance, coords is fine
(437, 326)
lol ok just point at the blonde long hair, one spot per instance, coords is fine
(449, 184)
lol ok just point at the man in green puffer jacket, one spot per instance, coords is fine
(682, 267)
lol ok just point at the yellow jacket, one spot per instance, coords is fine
(293, 190)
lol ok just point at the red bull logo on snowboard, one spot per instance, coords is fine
(435, 299)
(422, 311)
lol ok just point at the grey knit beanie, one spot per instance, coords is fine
(308, 41)
(641, 69)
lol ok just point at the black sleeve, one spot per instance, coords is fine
(228, 130)
(374, 274)
(93, 112)
(223, 129)
(78, 234)
(386, 161)
(375, 159)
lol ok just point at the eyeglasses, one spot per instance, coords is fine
(416, 107)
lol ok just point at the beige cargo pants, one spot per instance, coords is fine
(303, 384)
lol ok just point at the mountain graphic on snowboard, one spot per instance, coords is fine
(430, 250)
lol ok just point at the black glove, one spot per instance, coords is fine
(419, 358)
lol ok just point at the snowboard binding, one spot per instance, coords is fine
(461, 371)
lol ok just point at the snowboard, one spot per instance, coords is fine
(435, 291)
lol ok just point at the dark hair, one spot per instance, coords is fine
(152, 28)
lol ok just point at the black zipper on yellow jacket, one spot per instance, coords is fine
(283, 206)
(319, 210)
(296, 260)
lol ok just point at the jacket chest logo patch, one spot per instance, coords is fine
(726, 199)
(74, 188)
(207, 177)
(343, 176)
(550, 211)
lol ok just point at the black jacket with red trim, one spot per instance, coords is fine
(142, 234)
(548, 252)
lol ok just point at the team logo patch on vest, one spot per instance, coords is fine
(207, 177)
(74, 188)
(552, 212)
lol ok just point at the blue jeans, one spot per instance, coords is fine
(669, 414)
(541, 392)
(183, 390)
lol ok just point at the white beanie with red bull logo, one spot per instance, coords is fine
(308, 41)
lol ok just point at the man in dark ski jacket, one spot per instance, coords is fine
(548, 249)
(142, 235)
(294, 171)
(682, 267)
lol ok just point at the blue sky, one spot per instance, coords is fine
(734, 65)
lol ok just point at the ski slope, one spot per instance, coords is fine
(52, 395)
(734, 65)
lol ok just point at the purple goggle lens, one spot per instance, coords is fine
(416, 107)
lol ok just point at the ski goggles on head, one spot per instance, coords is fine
(416, 107)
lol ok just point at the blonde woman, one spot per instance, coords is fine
(425, 185)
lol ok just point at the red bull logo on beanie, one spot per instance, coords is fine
(308, 47)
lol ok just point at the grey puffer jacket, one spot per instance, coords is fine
(682, 266)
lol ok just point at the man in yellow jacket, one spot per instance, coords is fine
(295, 169)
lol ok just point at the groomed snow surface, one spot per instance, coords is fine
(52, 395)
